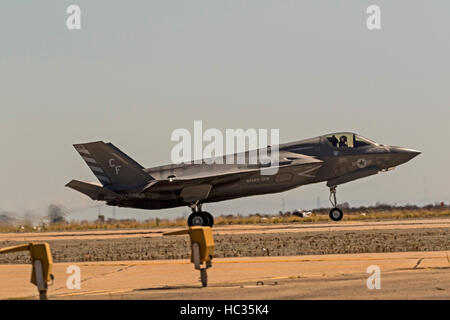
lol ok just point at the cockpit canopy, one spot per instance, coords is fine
(347, 140)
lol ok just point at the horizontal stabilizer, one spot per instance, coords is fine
(93, 191)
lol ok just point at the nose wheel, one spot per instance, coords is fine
(199, 217)
(336, 214)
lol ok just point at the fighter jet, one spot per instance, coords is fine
(335, 158)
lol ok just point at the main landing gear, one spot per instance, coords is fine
(199, 217)
(336, 214)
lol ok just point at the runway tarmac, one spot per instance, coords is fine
(235, 229)
(404, 275)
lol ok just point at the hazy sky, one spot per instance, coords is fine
(137, 70)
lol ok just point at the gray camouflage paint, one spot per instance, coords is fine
(127, 184)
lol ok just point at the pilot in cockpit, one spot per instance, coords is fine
(334, 141)
(343, 142)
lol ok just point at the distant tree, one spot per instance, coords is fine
(345, 205)
(6, 219)
(56, 213)
(27, 219)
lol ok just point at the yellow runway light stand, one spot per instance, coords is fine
(202, 245)
(41, 259)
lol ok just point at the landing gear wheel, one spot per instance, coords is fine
(201, 218)
(197, 219)
(209, 218)
(336, 214)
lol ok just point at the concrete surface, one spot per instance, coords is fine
(405, 275)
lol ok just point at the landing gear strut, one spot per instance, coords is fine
(336, 214)
(199, 217)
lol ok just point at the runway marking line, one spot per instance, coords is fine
(79, 293)
(178, 262)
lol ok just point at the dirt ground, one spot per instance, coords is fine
(243, 245)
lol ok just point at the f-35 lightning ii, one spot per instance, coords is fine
(334, 158)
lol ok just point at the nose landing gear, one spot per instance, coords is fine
(199, 217)
(336, 214)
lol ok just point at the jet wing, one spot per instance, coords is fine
(205, 178)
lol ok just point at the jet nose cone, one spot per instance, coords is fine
(403, 155)
(410, 153)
